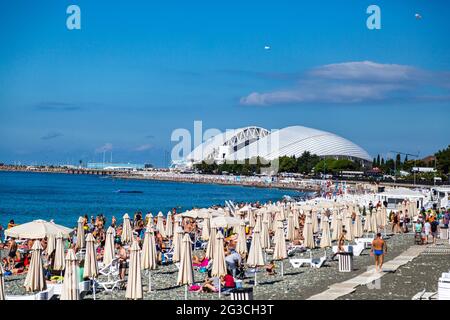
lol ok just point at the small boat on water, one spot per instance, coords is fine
(129, 191)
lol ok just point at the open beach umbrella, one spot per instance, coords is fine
(134, 281)
(255, 256)
(358, 227)
(325, 241)
(290, 227)
(186, 272)
(177, 242)
(127, 232)
(51, 244)
(80, 234)
(206, 226)
(37, 229)
(280, 252)
(35, 280)
(265, 237)
(169, 225)
(59, 262)
(315, 222)
(2, 284)
(70, 289)
(148, 254)
(160, 224)
(211, 243)
(241, 245)
(308, 235)
(90, 262)
(108, 251)
(219, 268)
(225, 222)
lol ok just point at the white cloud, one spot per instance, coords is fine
(143, 147)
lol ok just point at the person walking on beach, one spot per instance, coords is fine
(379, 249)
(434, 230)
(427, 229)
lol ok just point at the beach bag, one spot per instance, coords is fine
(194, 287)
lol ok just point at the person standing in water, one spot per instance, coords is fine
(379, 249)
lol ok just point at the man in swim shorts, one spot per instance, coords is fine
(379, 248)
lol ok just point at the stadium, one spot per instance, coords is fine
(250, 142)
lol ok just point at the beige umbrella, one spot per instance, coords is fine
(265, 237)
(149, 217)
(258, 223)
(51, 244)
(338, 229)
(185, 272)
(280, 252)
(35, 280)
(2, 284)
(267, 217)
(127, 232)
(378, 217)
(37, 229)
(59, 262)
(90, 261)
(367, 223)
(108, 251)
(315, 222)
(251, 218)
(255, 256)
(308, 235)
(225, 222)
(333, 221)
(219, 268)
(70, 289)
(373, 223)
(80, 234)
(177, 242)
(169, 225)
(348, 227)
(296, 216)
(211, 244)
(241, 245)
(134, 282)
(160, 224)
(148, 255)
(325, 241)
(290, 227)
(358, 227)
(206, 226)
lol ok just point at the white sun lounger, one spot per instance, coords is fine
(42, 295)
(355, 249)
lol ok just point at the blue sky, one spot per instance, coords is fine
(137, 70)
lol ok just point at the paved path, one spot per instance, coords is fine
(369, 277)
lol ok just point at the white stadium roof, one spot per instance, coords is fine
(249, 142)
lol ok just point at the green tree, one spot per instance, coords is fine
(443, 160)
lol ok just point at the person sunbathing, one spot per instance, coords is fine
(270, 268)
(208, 286)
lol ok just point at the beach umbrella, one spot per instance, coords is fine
(160, 224)
(280, 252)
(70, 290)
(211, 244)
(148, 254)
(186, 272)
(255, 256)
(127, 232)
(379, 217)
(241, 245)
(80, 233)
(108, 250)
(373, 223)
(296, 216)
(290, 227)
(338, 229)
(206, 226)
(59, 262)
(219, 268)
(367, 223)
(251, 218)
(267, 217)
(51, 244)
(348, 227)
(37, 229)
(333, 220)
(258, 222)
(169, 225)
(308, 235)
(2, 284)
(149, 217)
(134, 281)
(225, 222)
(90, 262)
(315, 222)
(358, 227)
(265, 237)
(35, 280)
(325, 241)
(177, 242)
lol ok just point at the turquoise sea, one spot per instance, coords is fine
(64, 197)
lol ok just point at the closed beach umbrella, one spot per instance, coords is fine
(160, 224)
(206, 226)
(280, 252)
(148, 254)
(255, 256)
(358, 227)
(241, 245)
(70, 286)
(384, 217)
(373, 223)
(59, 262)
(51, 244)
(315, 222)
(367, 223)
(90, 262)
(258, 223)
(379, 218)
(211, 244)
(127, 232)
(177, 242)
(251, 218)
(149, 220)
(296, 223)
(325, 241)
(134, 282)
(2, 284)
(265, 238)
(169, 225)
(337, 231)
(80, 234)
(349, 227)
(35, 280)
(290, 227)
(268, 218)
(108, 251)
(186, 272)
(333, 220)
(308, 234)
(219, 268)
(37, 229)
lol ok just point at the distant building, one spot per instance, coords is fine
(423, 169)
(114, 166)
